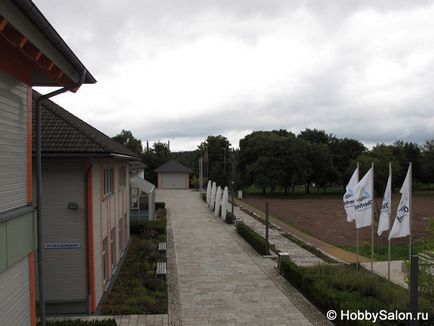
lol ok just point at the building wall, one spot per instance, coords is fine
(65, 274)
(17, 229)
(15, 307)
(108, 210)
(13, 143)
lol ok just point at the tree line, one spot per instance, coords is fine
(278, 160)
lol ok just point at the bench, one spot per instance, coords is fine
(161, 271)
(162, 247)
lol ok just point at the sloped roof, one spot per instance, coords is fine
(173, 166)
(63, 133)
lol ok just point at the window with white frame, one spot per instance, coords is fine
(108, 181)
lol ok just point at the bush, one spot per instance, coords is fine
(160, 205)
(230, 218)
(340, 287)
(78, 322)
(157, 226)
(254, 239)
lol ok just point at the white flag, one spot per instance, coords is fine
(364, 200)
(383, 223)
(401, 226)
(349, 195)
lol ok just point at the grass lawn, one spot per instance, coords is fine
(137, 290)
(397, 252)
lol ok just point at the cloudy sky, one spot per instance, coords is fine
(181, 70)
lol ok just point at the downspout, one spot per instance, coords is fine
(39, 190)
(86, 181)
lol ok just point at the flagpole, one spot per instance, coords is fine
(390, 215)
(357, 230)
(409, 209)
(372, 219)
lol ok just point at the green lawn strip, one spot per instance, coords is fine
(399, 251)
(137, 290)
(340, 287)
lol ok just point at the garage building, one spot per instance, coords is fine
(173, 175)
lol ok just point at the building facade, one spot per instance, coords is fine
(31, 54)
(86, 211)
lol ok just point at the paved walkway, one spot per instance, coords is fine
(337, 253)
(215, 278)
(297, 254)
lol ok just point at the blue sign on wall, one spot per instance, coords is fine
(62, 245)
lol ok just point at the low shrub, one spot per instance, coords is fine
(254, 239)
(230, 218)
(78, 322)
(157, 226)
(340, 287)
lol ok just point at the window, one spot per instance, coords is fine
(108, 181)
(122, 177)
(121, 234)
(113, 248)
(105, 260)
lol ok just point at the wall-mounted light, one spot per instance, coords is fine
(73, 206)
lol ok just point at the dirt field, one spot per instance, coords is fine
(325, 218)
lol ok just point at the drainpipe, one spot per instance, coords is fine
(39, 190)
(86, 181)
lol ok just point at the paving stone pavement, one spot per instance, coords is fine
(220, 279)
(297, 254)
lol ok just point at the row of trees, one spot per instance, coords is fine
(279, 159)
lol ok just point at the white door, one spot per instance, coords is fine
(173, 181)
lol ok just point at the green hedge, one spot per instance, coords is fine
(158, 226)
(254, 239)
(340, 287)
(77, 322)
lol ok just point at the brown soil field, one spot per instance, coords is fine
(325, 217)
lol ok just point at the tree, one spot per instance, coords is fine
(344, 151)
(427, 159)
(216, 151)
(126, 138)
(153, 158)
(380, 155)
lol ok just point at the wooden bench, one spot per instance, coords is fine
(162, 247)
(161, 270)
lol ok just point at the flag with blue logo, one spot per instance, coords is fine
(349, 195)
(383, 223)
(364, 200)
(401, 226)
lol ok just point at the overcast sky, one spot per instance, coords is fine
(182, 70)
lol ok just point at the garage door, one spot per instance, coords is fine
(173, 180)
